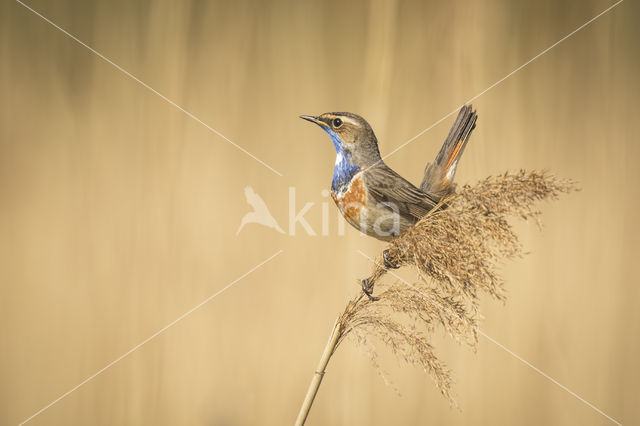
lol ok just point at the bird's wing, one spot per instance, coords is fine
(386, 186)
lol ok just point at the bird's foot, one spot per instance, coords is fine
(387, 263)
(367, 289)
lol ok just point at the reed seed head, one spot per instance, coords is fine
(455, 251)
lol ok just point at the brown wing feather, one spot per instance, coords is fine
(386, 186)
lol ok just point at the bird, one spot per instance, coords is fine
(371, 196)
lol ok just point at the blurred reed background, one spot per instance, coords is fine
(119, 212)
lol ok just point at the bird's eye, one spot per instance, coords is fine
(337, 122)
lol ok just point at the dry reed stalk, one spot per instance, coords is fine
(455, 251)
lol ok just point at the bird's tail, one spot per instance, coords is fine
(438, 176)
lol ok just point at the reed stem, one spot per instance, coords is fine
(319, 374)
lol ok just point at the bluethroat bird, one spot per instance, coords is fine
(371, 196)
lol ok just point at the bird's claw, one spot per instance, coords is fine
(368, 290)
(367, 287)
(387, 263)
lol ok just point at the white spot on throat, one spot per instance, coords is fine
(339, 158)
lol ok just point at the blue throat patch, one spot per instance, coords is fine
(344, 169)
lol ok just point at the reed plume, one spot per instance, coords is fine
(455, 251)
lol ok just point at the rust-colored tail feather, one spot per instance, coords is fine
(438, 176)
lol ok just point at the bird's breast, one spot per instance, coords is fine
(352, 200)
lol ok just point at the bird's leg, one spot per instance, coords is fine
(367, 285)
(367, 289)
(387, 263)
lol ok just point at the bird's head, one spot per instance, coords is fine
(351, 135)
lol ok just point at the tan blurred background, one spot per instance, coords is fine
(119, 212)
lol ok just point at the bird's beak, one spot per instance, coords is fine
(313, 119)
